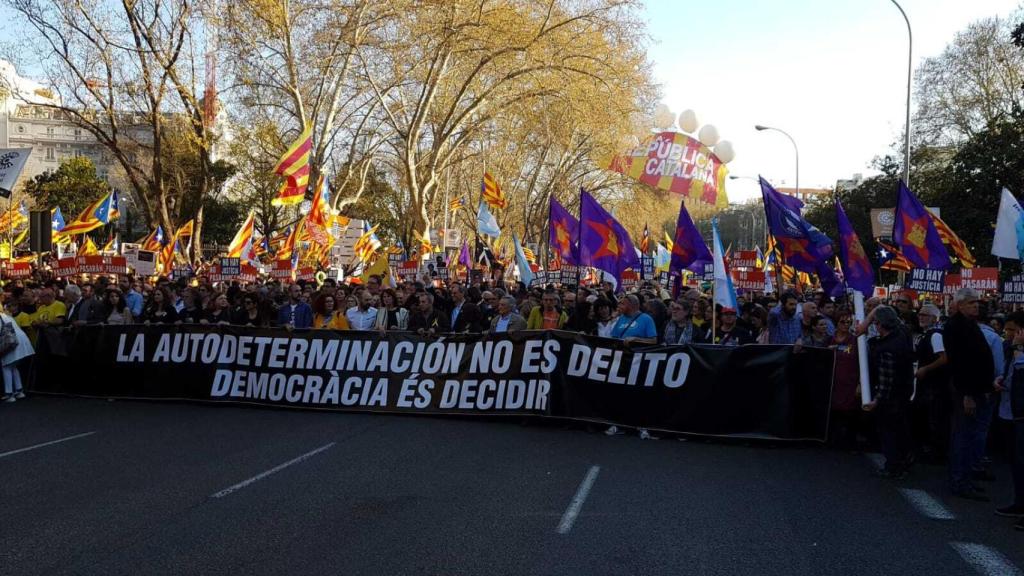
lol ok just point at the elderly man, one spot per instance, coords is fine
(507, 319)
(632, 324)
(891, 370)
(81, 310)
(933, 385)
(426, 318)
(50, 311)
(972, 375)
(547, 316)
(466, 316)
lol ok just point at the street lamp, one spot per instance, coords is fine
(910, 73)
(761, 128)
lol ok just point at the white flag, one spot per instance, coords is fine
(1009, 238)
(12, 161)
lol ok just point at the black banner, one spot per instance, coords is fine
(766, 391)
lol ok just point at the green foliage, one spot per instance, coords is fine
(73, 186)
(222, 218)
(379, 205)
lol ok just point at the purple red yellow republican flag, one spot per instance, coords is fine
(914, 232)
(563, 232)
(604, 243)
(857, 270)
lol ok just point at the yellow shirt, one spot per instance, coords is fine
(50, 312)
(337, 321)
(24, 320)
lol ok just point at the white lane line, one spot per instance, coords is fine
(577, 501)
(926, 504)
(985, 561)
(273, 470)
(51, 442)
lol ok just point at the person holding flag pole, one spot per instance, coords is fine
(722, 291)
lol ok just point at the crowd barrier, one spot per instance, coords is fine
(755, 390)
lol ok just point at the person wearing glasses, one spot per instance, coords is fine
(547, 316)
(249, 314)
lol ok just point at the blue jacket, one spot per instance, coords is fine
(303, 315)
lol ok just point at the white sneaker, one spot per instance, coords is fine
(613, 431)
(20, 395)
(9, 399)
(645, 435)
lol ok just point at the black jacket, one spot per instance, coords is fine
(970, 359)
(437, 321)
(469, 319)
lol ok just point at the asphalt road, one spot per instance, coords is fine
(174, 488)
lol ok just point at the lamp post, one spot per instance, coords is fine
(910, 75)
(796, 150)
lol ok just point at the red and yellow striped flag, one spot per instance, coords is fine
(241, 244)
(492, 193)
(294, 167)
(953, 241)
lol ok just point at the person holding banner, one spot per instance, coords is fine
(632, 324)
(159, 309)
(507, 319)
(465, 315)
(784, 324)
(391, 316)
(249, 314)
(326, 316)
(891, 368)
(680, 328)
(845, 404)
(427, 319)
(220, 313)
(547, 316)
(115, 308)
(295, 313)
(730, 333)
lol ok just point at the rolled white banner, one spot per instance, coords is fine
(862, 349)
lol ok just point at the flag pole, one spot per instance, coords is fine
(579, 246)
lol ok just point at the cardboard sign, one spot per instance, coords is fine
(13, 270)
(630, 279)
(230, 266)
(951, 285)
(984, 279)
(182, 271)
(145, 263)
(66, 267)
(115, 265)
(648, 265)
(743, 259)
(926, 280)
(750, 280)
(570, 275)
(307, 274)
(539, 279)
(1013, 289)
(408, 270)
(282, 270)
(709, 272)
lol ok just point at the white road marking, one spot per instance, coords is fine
(577, 501)
(273, 470)
(26, 449)
(926, 504)
(985, 561)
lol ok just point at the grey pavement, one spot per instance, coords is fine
(335, 493)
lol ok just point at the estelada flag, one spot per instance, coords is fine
(95, 215)
(492, 192)
(953, 241)
(154, 240)
(294, 167)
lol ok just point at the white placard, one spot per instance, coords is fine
(12, 161)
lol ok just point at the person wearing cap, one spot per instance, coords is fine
(730, 333)
(933, 385)
(891, 371)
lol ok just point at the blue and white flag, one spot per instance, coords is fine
(1009, 238)
(724, 292)
(486, 223)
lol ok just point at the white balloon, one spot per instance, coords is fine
(688, 121)
(708, 135)
(725, 152)
(663, 117)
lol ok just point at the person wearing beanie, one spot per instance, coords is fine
(891, 370)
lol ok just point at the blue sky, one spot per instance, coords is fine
(832, 73)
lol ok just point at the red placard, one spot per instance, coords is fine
(17, 269)
(743, 259)
(986, 279)
(282, 270)
(115, 265)
(308, 274)
(952, 284)
(752, 280)
(67, 267)
(90, 264)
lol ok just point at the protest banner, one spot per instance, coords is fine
(951, 284)
(15, 270)
(983, 279)
(282, 270)
(743, 259)
(1013, 289)
(926, 280)
(767, 391)
(750, 280)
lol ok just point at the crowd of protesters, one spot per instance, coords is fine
(939, 381)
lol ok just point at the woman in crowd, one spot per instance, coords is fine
(115, 309)
(326, 316)
(391, 316)
(818, 335)
(15, 355)
(191, 313)
(159, 309)
(249, 314)
(759, 324)
(846, 410)
(680, 328)
(220, 313)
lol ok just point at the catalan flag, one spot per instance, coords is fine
(88, 248)
(457, 204)
(95, 215)
(10, 220)
(290, 247)
(241, 245)
(949, 238)
(368, 243)
(890, 258)
(424, 240)
(318, 219)
(56, 220)
(186, 230)
(645, 241)
(492, 193)
(294, 167)
(154, 240)
(529, 254)
(115, 205)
